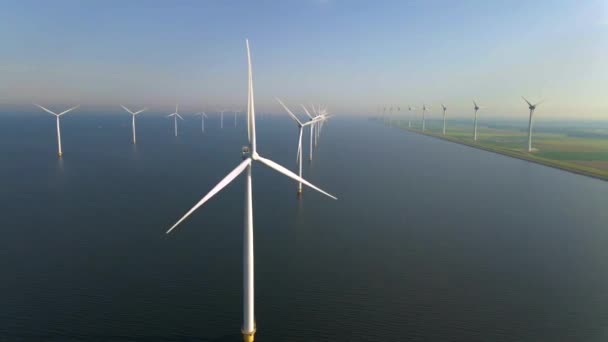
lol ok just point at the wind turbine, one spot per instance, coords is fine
(133, 114)
(424, 109)
(59, 152)
(532, 108)
(301, 126)
(235, 112)
(409, 119)
(250, 155)
(445, 109)
(175, 116)
(222, 119)
(316, 120)
(476, 108)
(203, 117)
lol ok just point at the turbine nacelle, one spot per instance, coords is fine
(532, 106)
(134, 113)
(51, 112)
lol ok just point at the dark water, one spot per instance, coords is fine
(429, 241)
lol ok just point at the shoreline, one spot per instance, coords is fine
(512, 154)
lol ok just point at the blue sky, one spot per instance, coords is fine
(352, 56)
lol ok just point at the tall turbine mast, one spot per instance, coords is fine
(445, 109)
(301, 126)
(476, 108)
(250, 155)
(203, 117)
(133, 114)
(424, 110)
(409, 118)
(532, 108)
(59, 152)
(175, 115)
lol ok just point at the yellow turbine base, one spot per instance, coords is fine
(248, 337)
(60, 154)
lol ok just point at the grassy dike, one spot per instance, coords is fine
(520, 154)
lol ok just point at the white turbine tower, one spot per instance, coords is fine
(250, 155)
(301, 126)
(175, 116)
(316, 120)
(476, 108)
(59, 152)
(445, 109)
(424, 110)
(235, 112)
(532, 108)
(133, 114)
(203, 117)
(222, 119)
(409, 119)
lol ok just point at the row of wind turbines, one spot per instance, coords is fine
(175, 115)
(249, 156)
(426, 108)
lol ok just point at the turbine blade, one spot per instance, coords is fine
(179, 116)
(289, 111)
(46, 110)
(251, 97)
(539, 102)
(127, 109)
(528, 102)
(222, 184)
(291, 175)
(140, 111)
(306, 111)
(69, 110)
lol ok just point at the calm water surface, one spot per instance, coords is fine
(429, 240)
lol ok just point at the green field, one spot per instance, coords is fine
(582, 150)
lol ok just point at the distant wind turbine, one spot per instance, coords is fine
(445, 109)
(59, 152)
(175, 116)
(203, 117)
(409, 119)
(476, 108)
(301, 126)
(318, 119)
(424, 110)
(222, 119)
(133, 114)
(250, 155)
(235, 112)
(532, 108)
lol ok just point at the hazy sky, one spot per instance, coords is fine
(352, 56)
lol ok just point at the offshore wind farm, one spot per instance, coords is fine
(372, 188)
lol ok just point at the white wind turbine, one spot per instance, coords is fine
(301, 126)
(409, 119)
(316, 120)
(250, 155)
(235, 112)
(175, 116)
(476, 108)
(222, 119)
(424, 110)
(133, 114)
(203, 117)
(532, 108)
(59, 152)
(445, 109)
